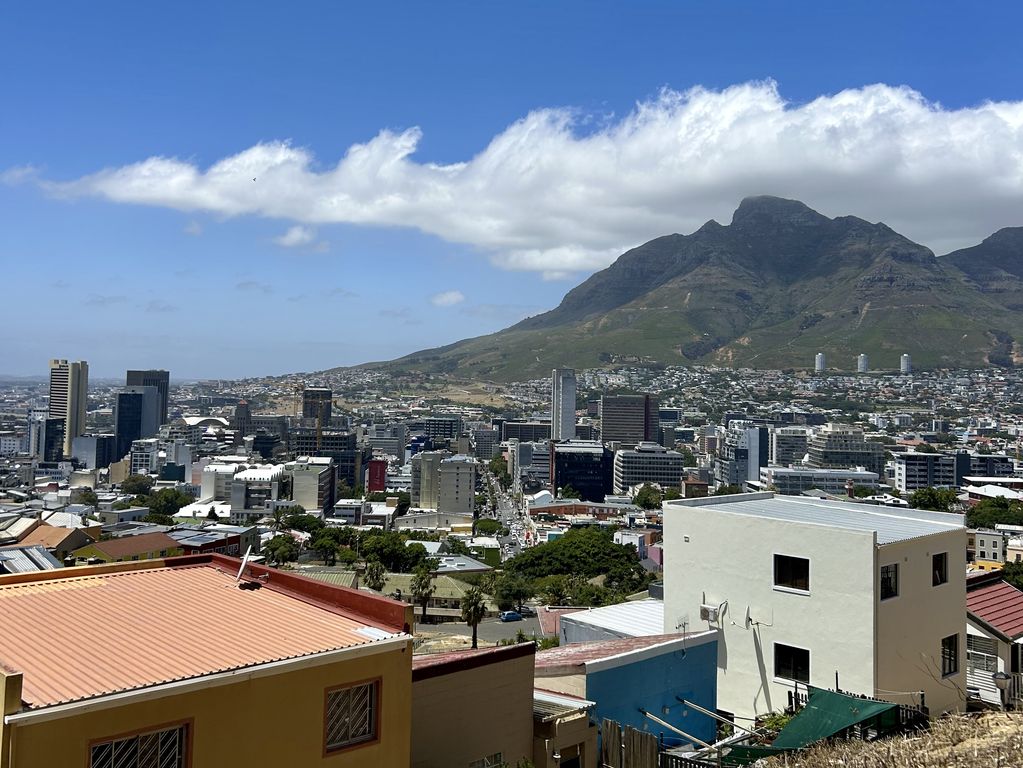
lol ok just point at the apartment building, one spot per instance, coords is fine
(804, 592)
(838, 446)
(792, 481)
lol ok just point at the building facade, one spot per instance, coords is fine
(629, 419)
(647, 463)
(154, 378)
(69, 391)
(562, 404)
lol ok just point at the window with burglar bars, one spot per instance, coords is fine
(490, 761)
(351, 716)
(156, 749)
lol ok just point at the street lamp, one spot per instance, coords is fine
(1002, 681)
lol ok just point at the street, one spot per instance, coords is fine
(490, 630)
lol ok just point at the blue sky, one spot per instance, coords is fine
(508, 150)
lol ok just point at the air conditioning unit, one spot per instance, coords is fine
(708, 613)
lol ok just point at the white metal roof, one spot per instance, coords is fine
(638, 618)
(889, 523)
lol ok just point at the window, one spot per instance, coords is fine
(939, 568)
(167, 749)
(981, 654)
(490, 761)
(792, 572)
(889, 581)
(950, 655)
(351, 716)
(791, 663)
(983, 555)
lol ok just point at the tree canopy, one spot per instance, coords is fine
(934, 499)
(137, 485)
(989, 512)
(648, 497)
(585, 552)
(281, 549)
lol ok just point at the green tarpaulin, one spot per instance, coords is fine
(827, 713)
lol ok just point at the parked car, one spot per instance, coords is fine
(528, 610)
(510, 616)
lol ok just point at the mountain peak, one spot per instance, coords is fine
(764, 209)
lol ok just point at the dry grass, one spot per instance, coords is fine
(990, 741)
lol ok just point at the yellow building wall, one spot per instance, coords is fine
(273, 721)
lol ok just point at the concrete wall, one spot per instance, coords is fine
(910, 626)
(466, 715)
(275, 720)
(716, 557)
(651, 682)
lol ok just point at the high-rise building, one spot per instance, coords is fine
(425, 492)
(838, 446)
(69, 389)
(905, 364)
(584, 465)
(316, 403)
(95, 451)
(629, 419)
(861, 363)
(313, 483)
(788, 445)
(741, 454)
(648, 463)
(136, 416)
(456, 485)
(562, 404)
(153, 378)
(819, 363)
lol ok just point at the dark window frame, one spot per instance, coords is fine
(786, 576)
(892, 581)
(791, 670)
(950, 655)
(939, 569)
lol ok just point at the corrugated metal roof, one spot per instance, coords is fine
(578, 654)
(127, 546)
(548, 705)
(891, 524)
(147, 627)
(27, 559)
(999, 604)
(638, 618)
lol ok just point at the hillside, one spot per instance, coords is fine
(768, 290)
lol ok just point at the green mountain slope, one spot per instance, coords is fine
(778, 284)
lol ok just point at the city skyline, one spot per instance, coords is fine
(143, 177)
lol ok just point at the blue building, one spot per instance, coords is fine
(629, 676)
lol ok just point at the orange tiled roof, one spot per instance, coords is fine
(48, 536)
(140, 628)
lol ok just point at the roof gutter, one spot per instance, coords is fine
(125, 698)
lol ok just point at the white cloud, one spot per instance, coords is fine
(193, 228)
(296, 236)
(553, 194)
(447, 298)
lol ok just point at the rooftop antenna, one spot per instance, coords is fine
(245, 562)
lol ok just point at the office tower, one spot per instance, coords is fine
(861, 363)
(788, 445)
(629, 419)
(46, 438)
(837, 446)
(69, 389)
(647, 463)
(819, 363)
(906, 364)
(316, 403)
(743, 451)
(456, 485)
(562, 404)
(136, 416)
(586, 466)
(95, 451)
(155, 378)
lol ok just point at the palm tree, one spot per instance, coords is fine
(422, 588)
(376, 576)
(278, 518)
(474, 608)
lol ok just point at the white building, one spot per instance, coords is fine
(905, 364)
(563, 404)
(216, 481)
(647, 463)
(819, 363)
(456, 485)
(803, 591)
(788, 445)
(914, 471)
(861, 363)
(794, 481)
(145, 456)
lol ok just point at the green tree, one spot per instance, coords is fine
(499, 467)
(512, 590)
(167, 501)
(688, 457)
(137, 485)
(422, 587)
(326, 545)
(924, 448)
(1013, 574)
(862, 491)
(304, 522)
(934, 499)
(990, 512)
(488, 527)
(672, 493)
(568, 492)
(88, 496)
(648, 497)
(376, 575)
(726, 490)
(474, 609)
(158, 519)
(456, 547)
(281, 549)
